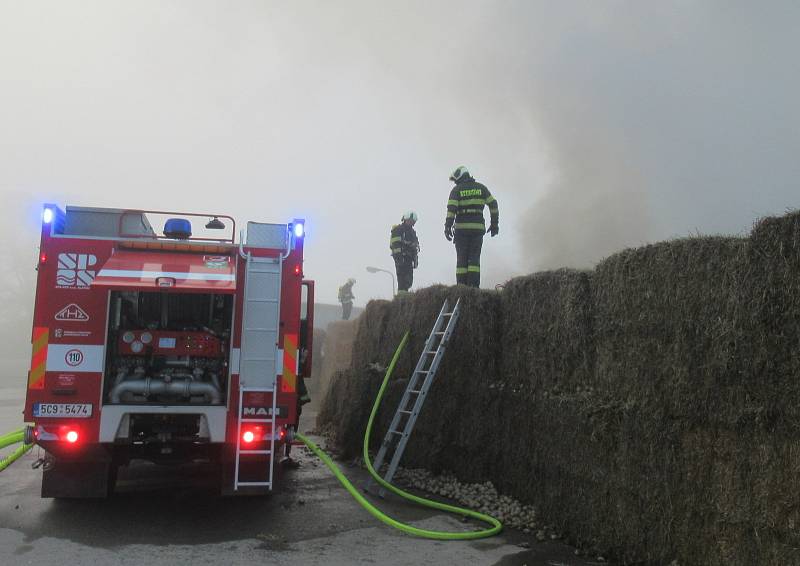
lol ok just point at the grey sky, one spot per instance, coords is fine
(596, 124)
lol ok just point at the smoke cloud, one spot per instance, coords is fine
(596, 125)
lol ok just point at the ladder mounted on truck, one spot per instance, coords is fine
(394, 443)
(261, 313)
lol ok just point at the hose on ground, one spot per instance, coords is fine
(9, 439)
(496, 526)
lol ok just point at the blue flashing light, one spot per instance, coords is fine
(299, 230)
(47, 215)
(178, 228)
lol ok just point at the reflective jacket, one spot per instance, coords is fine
(403, 241)
(465, 206)
(346, 293)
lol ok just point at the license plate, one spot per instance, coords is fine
(73, 410)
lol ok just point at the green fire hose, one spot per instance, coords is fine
(440, 535)
(8, 440)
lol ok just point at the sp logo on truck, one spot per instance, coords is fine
(74, 270)
(72, 313)
(73, 357)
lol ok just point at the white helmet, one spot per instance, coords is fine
(458, 173)
(410, 215)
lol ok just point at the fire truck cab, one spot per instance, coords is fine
(153, 343)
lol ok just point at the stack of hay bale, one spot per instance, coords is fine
(649, 408)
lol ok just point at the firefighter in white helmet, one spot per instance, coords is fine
(466, 225)
(404, 246)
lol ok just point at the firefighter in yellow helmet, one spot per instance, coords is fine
(404, 245)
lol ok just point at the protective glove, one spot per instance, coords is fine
(448, 232)
(494, 229)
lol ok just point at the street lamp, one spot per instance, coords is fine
(377, 269)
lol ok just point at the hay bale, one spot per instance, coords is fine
(665, 320)
(666, 326)
(452, 429)
(461, 386)
(547, 331)
(548, 442)
(770, 306)
(335, 352)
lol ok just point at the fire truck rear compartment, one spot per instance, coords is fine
(166, 439)
(167, 348)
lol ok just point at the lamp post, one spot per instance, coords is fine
(377, 269)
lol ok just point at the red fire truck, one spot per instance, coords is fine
(155, 344)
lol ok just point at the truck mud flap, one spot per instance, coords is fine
(78, 480)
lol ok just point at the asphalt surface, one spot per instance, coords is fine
(172, 516)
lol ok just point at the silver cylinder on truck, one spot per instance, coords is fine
(151, 386)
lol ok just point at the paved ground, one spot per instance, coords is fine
(160, 516)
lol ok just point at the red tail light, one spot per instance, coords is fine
(69, 434)
(297, 270)
(42, 257)
(251, 434)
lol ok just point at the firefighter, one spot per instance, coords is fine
(302, 398)
(346, 297)
(466, 226)
(404, 245)
(302, 354)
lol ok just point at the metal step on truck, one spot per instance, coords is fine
(151, 343)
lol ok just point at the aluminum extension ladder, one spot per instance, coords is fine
(259, 353)
(410, 405)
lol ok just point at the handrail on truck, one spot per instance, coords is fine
(283, 255)
(129, 212)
